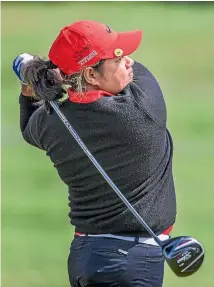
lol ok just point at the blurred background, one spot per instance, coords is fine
(178, 47)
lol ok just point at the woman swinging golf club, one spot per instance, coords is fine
(117, 109)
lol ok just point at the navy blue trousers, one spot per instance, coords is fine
(107, 262)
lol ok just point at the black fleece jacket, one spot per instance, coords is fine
(127, 135)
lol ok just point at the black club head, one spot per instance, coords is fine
(184, 255)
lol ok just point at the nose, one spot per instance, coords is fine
(129, 62)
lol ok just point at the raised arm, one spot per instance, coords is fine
(28, 103)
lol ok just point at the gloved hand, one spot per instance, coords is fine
(18, 62)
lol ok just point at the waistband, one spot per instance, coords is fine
(137, 239)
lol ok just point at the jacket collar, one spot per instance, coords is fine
(87, 97)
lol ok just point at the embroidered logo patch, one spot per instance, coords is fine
(78, 55)
(87, 58)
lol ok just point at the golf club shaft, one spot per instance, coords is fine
(100, 169)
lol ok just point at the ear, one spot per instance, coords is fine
(91, 76)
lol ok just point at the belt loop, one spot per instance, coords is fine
(136, 240)
(86, 234)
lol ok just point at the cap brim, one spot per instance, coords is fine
(128, 42)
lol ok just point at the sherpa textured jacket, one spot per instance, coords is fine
(127, 134)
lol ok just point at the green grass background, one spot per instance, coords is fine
(178, 47)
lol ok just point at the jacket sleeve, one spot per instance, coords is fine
(28, 108)
(152, 99)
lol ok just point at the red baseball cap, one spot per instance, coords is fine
(84, 43)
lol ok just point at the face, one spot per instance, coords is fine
(115, 75)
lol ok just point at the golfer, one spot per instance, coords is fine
(117, 108)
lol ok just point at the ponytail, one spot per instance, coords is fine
(40, 75)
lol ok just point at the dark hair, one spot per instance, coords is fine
(46, 83)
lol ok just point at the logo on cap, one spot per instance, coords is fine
(108, 29)
(88, 58)
(118, 52)
(78, 55)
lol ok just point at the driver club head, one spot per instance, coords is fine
(184, 255)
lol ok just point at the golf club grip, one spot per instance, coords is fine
(103, 173)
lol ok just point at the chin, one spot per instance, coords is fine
(129, 81)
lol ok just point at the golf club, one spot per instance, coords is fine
(183, 254)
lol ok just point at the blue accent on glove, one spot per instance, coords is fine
(17, 63)
(17, 66)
